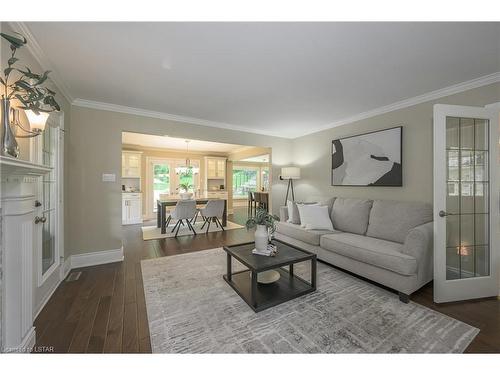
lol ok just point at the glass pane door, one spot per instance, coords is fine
(49, 201)
(466, 218)
(467, 201)
(161, 181)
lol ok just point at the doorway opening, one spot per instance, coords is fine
(159, 167)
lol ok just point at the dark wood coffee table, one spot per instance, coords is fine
(262, 296)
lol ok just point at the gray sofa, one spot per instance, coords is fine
(389, 242)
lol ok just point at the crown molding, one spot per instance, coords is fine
(42, 59)
(433, 95)
(168, 116)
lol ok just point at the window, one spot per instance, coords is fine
(244, 180)
(186, 181)
(161, 181)
(265, 178)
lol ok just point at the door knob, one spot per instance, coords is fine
(38, 203)
(442, 213)
(38, 219)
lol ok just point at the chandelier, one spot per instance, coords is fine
(187, 167)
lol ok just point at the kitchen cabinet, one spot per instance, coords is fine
(131, 164)
(216, 168)
(131, 208)
(217, 194)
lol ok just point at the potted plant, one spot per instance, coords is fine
(27, 88)
(266, 226)
(184, 190)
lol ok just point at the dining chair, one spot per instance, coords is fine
(185, 209)
(211, 212)
(264, 201)
(251, 202)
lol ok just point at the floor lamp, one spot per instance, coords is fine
(290, 174)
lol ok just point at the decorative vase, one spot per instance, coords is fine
(9, 143)
(261, 238)
(186, 195)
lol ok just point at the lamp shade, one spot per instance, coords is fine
(290, 173)
(37, 121)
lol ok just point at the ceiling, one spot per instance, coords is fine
(157, 141)
(284, 79)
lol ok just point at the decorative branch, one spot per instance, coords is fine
(28, 87)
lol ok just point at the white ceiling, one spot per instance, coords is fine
(156, 141)
(285, 79)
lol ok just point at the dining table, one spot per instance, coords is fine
(161, 204)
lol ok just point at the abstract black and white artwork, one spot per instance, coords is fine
(371, 159)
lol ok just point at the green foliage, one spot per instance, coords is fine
(27, 86)
(244, 180)
(186, 180)
(185, 186)
(161, 177)
(262, 217)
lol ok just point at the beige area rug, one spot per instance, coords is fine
(191, 309)
(154, 233)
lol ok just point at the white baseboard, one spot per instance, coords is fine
(27, 344)
(96, 258)
(65, 268)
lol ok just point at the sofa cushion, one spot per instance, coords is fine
(297, 232)
(380, 253)
(392, 220)
(326, 202)
(351, 215)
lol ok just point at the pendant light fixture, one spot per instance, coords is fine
(187, 167)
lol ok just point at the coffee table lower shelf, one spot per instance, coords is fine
(286, 288)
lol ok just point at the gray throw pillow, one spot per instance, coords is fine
(351, 215)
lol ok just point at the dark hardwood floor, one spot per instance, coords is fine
(105, 310)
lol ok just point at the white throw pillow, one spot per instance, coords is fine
(313, 216)
(293, 212)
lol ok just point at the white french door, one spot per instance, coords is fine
(466, 203)
(161, 178)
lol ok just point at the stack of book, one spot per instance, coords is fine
(271, 251)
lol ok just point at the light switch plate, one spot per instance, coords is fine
(108, 177)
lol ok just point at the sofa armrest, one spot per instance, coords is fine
(419, 243)
(283, 213)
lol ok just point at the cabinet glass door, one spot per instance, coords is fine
(49, 202)
(221, 168)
